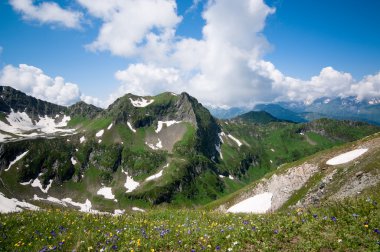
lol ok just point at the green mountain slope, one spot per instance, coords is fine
(152, 150)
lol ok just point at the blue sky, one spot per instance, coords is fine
(278, 50)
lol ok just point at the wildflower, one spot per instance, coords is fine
(376, 230)
(333, 219)
(138, 242)
(275, 231)
(217, 247)
(151, 250)
(355, 215)
(339, 240)
(90, 248)
(366, 225)
(114, 247)
(315, 216)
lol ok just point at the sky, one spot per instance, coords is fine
(225, 53)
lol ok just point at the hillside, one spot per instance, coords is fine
(333, 175)
(147, 151)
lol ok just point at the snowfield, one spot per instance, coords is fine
(260, 203)
(167, 123)
(106, 192)
(346, 157)
(141, 102)
(16, 160)
(14, 205)
(21, 125)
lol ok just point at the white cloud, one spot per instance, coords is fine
(217, 68)
(33, 81)
(226, 66)
(128, 25)
(145, 80)
(369, 87)
(47, 12)
(94, 101)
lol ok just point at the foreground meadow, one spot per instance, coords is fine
(349, 226)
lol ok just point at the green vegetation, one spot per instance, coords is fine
(352, 225)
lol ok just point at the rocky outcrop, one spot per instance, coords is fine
(12, 99)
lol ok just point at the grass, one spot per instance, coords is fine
(352, 225)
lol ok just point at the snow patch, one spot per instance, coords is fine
(155, 147)
(260, 203)
(221, 176)
(346, 157)
(130, 184)
(26, 183)
(106, 192)
(231, 177)
(14, 205)
(141, 102)
(118, 212)
(85, 207)
(73, 161)
(21, 125)
(157, 175)
(235, 139)
(272, 150)
(110, 126)
(100, 141)
(100, 133)
(50, 199)
(221, 135)
(130, 127)
(16, 160)
(82, 139)
(138, 209)
(219, 150)
(167, 123)
(37, 183)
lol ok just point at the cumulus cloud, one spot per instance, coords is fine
(145, 80)
(226, 67)
(47, 12)
(94, 101)
(128, 25)
(369, 87)
(33, 81)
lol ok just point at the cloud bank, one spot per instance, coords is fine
(226, 67)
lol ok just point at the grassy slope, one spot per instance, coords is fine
(348, 226)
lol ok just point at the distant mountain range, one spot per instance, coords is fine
(150, 150)
(349, 108)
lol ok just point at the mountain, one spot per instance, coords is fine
(229, 113)
(260, 117)
(348, 108)
(280, 112)
(340, 108)
(146, 150)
